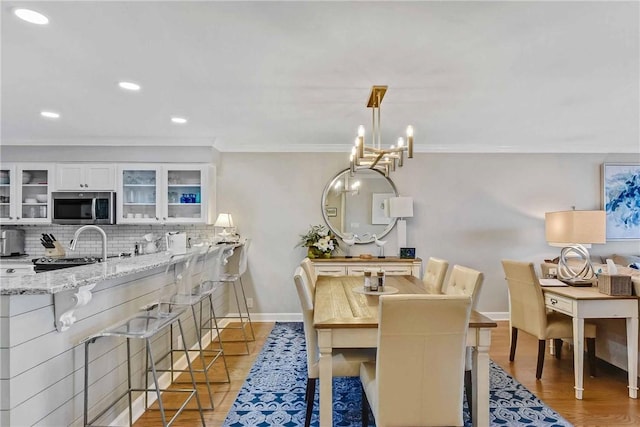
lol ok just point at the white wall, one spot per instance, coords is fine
(472, 209)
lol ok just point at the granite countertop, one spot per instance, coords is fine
(64, 279)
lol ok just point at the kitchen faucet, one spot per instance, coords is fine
(79, 231)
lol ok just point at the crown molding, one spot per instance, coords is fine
(113, 142)
(552, 148)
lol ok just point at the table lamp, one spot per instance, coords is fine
(224, 221)
(401, 207)
(574, 231)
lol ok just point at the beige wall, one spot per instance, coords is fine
(472, 209)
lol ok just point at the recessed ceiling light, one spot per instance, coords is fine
(129, 86)
(31, 16)
(50, 114)
(179, 120)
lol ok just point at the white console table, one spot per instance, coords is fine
(341, 266)
(589, 303)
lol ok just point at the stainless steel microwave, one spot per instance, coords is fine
(84, 207)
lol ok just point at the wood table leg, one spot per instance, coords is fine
(326, 377)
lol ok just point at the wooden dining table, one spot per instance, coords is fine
(346, 318)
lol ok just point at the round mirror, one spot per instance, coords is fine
(354, 205)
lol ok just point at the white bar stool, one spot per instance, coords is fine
(243, 312)
(187, 296)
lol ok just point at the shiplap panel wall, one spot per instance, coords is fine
(42, 370)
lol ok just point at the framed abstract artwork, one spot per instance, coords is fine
(621, 200)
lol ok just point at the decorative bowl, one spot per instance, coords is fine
(26, 177)
(42, 198)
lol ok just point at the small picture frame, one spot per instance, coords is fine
(407, 253)
(331, 211)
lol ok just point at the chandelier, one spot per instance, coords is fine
(373, 156)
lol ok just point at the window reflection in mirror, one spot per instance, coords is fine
(354, 205)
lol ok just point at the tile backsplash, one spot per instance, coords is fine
(120, 238)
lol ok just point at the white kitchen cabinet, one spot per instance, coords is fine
(165, 193)
(25, 193)
(85, 176)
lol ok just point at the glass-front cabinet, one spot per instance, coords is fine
(25, 193)
(184, 194)
(153, 193)
(138, 199)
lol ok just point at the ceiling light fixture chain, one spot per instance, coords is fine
(374, 156)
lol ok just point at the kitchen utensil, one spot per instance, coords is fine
(47, 239)
(11, 242)
(152, 242)
(176, 242)
(52, 237)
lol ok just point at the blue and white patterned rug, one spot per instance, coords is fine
(273, 394)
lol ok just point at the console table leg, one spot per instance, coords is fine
(632, 355)
(578, 355)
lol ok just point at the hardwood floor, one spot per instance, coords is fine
(224, 393)
(605, 403)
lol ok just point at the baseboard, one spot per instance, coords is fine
(497, 315)
(271, 317)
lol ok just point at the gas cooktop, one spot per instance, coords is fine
(48, 264)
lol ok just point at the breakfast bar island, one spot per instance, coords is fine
(44, 318)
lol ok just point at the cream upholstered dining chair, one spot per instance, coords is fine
(465, 281)
(308, 268)
(529, 314)
(434, 274)
(345, 362)
(411, 384)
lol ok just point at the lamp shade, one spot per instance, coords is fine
(224, 220)
(401, 207)
(569, 227)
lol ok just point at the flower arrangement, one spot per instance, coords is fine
(319, 241)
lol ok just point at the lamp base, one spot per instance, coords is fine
(578, 273)
(578, 283)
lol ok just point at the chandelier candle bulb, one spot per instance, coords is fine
(410, 141)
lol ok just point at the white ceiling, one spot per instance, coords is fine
(538, 76)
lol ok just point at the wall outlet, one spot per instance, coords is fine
(249, 302)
